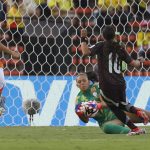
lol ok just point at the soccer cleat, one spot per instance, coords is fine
(136, 131)
(2, 107)
(141, 114)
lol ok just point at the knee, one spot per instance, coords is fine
(107, 128)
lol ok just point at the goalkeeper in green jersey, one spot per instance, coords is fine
(89, 104)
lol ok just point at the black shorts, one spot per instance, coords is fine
(113, 94)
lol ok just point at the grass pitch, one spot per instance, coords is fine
(69, 138)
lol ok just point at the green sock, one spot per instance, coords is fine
(110, 128)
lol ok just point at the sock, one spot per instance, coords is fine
(131, 125)
(110, 128)
(122, 116)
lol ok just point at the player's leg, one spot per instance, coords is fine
(2, 99)
(112, 96)
(126, 120)
(136, 119)
(133, 116)
(122, 116)
(115, 127)
(125, 105)
(138, 112)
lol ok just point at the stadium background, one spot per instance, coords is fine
(48, 37)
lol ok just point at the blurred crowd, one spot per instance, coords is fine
(100, 12)
(104, 11)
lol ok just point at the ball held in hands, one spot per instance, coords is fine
(89, 109)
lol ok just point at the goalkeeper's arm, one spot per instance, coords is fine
(86, 110)
(83, 117)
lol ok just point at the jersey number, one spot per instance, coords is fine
(116, 67)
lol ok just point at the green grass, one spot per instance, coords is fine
(69, 138)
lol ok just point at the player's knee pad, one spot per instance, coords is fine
(110, 128)
(107, 128)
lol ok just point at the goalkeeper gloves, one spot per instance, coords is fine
(88, 109)
(80, 111)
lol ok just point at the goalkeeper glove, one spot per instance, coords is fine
(80, 111)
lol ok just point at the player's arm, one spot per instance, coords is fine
(82, 117)
(103, 104)
(84, 43)
(14, 54)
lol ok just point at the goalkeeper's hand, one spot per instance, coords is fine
(92, 108)
(88, 109)
(80, 111)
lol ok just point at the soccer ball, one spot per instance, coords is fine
(91, 108)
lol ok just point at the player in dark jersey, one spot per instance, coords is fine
(89, 97)
(110, 55)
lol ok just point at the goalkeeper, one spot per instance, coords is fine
(90, 105)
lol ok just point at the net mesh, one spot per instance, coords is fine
(47, 34)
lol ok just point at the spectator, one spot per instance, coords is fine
(30, 7)
(3, 11)
(43, 10)
(116, 11)
(143, 40)
(103, 4)
(38, 2)
(60, 8)
(84, 3)
(148, 7)
(27, 8)
(139, 9)
(15, 20)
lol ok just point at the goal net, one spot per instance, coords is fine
(47, 35)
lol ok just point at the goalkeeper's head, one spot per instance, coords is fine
(108, 33)
(82, 81)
